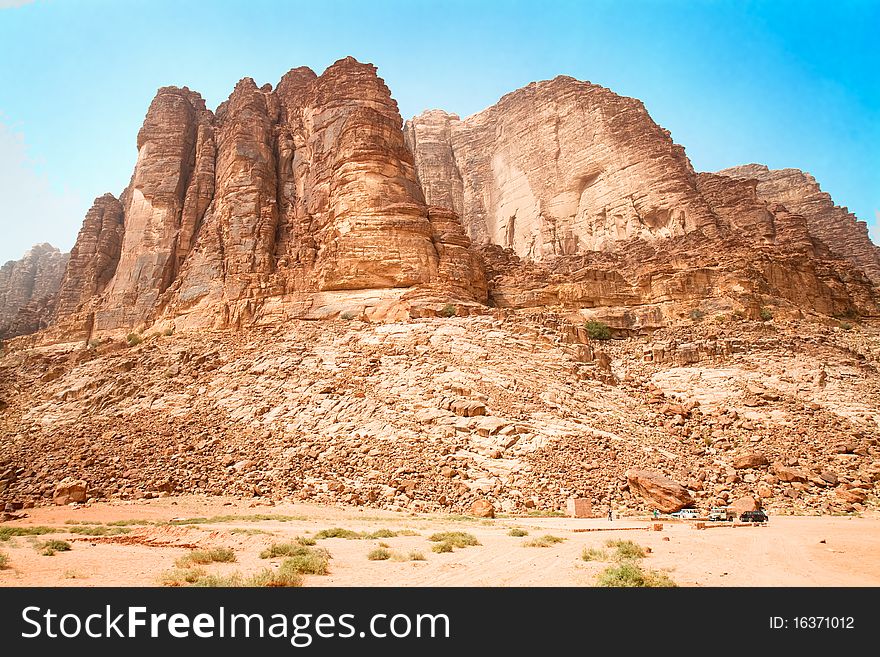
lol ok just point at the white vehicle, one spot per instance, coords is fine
(686, 514)
(723, 513)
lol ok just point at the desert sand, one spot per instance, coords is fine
(787, 551)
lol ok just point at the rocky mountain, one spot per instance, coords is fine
(844, 234)
(313, 199)
(461, 270)
(28, 289)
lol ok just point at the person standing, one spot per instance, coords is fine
(610, 516)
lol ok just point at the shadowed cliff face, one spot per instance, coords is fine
(312, 199)
(840, 230)
(28, 288)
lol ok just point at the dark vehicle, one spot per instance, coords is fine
(753, 516)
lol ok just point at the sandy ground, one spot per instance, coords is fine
(788, 551)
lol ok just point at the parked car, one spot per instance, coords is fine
(723, 513)
(686, 514)
(753, 516)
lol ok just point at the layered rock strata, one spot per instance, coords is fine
(844, 234)
(28, 288)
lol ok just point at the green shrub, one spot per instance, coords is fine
(594, 554)
(516, 531)
(626, 550)
(630, 574)
(7, 532)
(202, 557)
(455, 539)
(448, 311)
(381, 533)
(133, 339)
(50, 547)
(182, 576)
(98, 530)
(598, 330)
(766, 314)
(379, 554)
(314, 562)
(287, 575)
(544, 541)
(338, 532)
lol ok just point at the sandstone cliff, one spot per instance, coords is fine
(844, 234)
(312, 199)
(557, 168)
(28, 288)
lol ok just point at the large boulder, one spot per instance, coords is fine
(69, 490)
(659, 492)
(788, 473)
(743, 504)
(483, 509)
(749, 460)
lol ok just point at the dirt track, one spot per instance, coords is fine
(788, 551)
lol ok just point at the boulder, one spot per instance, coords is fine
(69, 490)
(789, 473)
(749, 460)
(659, 492)
(743, 504)
(483, 509)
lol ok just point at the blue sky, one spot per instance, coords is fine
(788, 84)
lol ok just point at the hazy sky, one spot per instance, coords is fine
(788, 84)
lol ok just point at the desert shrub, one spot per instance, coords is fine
(626, 550)
(516, 531)
(182, 576)
(594, 554)
(7, 532)
(630, 574)
(338, 532)
(133, 339)
(348, 315)
(455, 539)
(415, 555)
(846, 326)
(544, 541)
(50, 547)
(598, 330)
(4, 560)
(98, 530)
(168, 332)
(697, 315)
(766, 314)
(201, 557)
(314, 562)
(448, 311)
(379, 554)
(381, 533)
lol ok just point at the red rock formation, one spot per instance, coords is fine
(557, 168)
(315, 190)
(844, 234)
(302, 200)
(154, 203)
(28, 288)
(94, 257)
